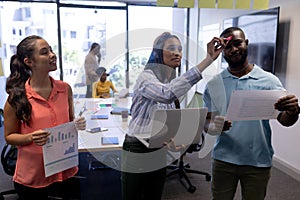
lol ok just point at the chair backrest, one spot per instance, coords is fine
(196, 102)
(9, 156)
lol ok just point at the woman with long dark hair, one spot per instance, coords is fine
(91, 63)
(144, 169)
(36, 101)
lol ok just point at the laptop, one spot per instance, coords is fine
(185, 126)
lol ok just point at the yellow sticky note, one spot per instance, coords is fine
(242, 4)
(228, 4)
(165, 3)
(1, 70)
(206, 3)
(186, 3)
(260, 4)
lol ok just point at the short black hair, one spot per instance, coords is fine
(230, 30)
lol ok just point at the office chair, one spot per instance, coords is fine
(182, 168)
(8, 161)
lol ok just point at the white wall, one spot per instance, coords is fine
(286, 141)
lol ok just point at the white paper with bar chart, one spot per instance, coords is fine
(61, 150)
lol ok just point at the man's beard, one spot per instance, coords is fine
(237, 64)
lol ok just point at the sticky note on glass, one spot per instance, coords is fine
(227, 4)
(260, 4)
(242, 4)
(185, 3)
(165, 3)
(206, 3)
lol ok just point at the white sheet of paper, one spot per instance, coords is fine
(61, 151)
(253, 104)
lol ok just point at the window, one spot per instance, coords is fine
(107, 26)
(73, 34)
(17, 16)
(146, 22)
(27, 12)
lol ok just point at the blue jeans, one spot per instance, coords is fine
(225, 178)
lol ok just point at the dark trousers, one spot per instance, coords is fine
(88, 91)
(141, 181)
(225, 178)
(68, 189)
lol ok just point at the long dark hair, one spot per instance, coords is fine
(155, 62)
(19, 74)
(94, 45)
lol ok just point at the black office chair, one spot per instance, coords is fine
(181, 168)
(8, 160)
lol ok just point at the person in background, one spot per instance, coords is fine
(243, 150)
(101, 88)
(156, 88)
(91, 63)
(36, 101)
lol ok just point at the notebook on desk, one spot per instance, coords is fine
(183, 125)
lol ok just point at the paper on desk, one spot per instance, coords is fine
(61, 151)
(253, 104)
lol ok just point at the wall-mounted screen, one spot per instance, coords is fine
(261, 30)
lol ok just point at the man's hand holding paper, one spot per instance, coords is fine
(289, 107)
(253, 104)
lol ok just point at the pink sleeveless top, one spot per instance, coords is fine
(45, 113)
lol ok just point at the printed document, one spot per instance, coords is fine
(253, 104)
(61, 150)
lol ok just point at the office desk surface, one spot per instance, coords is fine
(116, 127)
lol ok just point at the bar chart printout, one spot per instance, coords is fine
(61, 150)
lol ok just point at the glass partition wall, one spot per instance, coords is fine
(125, 33)
(19, 19)
(145, 24)
(80, 27)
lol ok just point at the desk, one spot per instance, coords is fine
(91, 142)
(100, 165)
